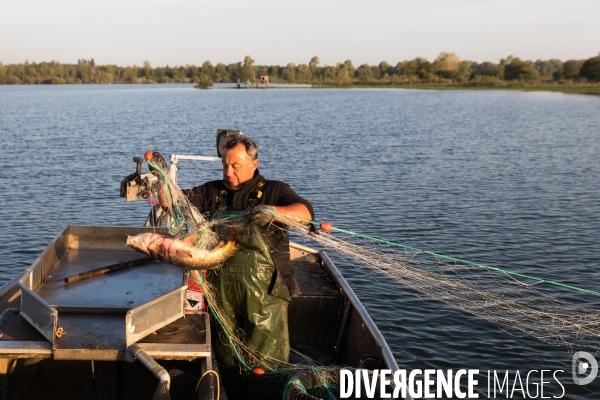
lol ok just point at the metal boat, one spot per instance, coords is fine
(74, 340)
(126, 334)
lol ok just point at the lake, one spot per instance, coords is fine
(504, 178)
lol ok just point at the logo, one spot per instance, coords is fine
(582, 361)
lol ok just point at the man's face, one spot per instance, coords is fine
(238, 167)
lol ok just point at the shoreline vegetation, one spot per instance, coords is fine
(446, 72)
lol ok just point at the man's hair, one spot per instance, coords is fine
(249, 145)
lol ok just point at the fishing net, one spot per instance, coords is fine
(508, 299)
(184, 219)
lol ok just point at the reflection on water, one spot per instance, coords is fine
(507, 179)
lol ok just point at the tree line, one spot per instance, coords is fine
(446, 69)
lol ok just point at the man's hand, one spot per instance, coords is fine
(262, 215)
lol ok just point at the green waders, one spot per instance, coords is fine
(255, 299)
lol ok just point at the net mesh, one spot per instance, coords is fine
(184, 219)
(511, 301)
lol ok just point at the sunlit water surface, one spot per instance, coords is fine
(507, 179)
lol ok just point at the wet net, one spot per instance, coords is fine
(309, 378)
(540, 307)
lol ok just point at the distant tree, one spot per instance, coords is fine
(407, 68)
(571, 68)
(314, 62)
(289, 73)
(130, 74)
(192, 72)
(147, 69)
(57, 81)
(247, 71)
(486, 68)
(248, 61)
(204, 82)
(235, 72)
(304, 74)
(591, 69)
(349, 67)
(338, 75)
(107, 77)
(221, 74)
(83, 71)
(376, 72)
(385, 68)
(424, 67)
(547, 68)
(520, 70)
(446, 64)
(463, 71)
(329, 75)
(274, 72)
(364, 73)
(207, 69)
(180, 75)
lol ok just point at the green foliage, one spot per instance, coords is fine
(248, 61)
(147, 69)
(289, 73)
(364, 73)
(520, 70)
(446, 70)
(549, 68)
(591, 69)
(314, 62)
(571, 68)
(57, 81)
(221, 74)
(385, 68)
(446, 65)
(204, 82)
(463, 71)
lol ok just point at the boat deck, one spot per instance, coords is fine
(105, 315)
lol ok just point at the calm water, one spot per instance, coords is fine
(507, 179)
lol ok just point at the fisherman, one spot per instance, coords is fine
(254, 287)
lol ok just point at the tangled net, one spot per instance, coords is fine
(508, 299)
(184, 219)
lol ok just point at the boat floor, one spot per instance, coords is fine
(313, 319)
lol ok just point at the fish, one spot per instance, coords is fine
(184, 253)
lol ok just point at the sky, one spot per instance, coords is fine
(179, 32)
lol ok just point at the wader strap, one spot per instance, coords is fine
(221, 200)
(256, 194)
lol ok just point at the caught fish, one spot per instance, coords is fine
(184, 253)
